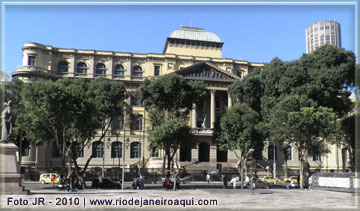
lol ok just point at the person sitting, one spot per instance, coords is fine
(134, 184)
(168, 183)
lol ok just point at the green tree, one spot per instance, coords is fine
(297, 120)
(69, 111)
(321, 79)
(59, 111)
(12, 92)
(167, 98)
(240, 129)
(170, 136)
(108, 99)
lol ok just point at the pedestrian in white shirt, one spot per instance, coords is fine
(233, 181)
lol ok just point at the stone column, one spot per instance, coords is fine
(72, 65)
(127, 73)
(212, 108)
(109, 71)
(229, 101)
(91, 71)
(193, 116)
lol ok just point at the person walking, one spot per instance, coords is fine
(224, 180)
(52, 180)
(233, 181)
(310, 183)
(208, 178)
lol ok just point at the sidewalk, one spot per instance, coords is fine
(263, 199)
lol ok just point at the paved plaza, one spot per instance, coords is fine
(189, 197)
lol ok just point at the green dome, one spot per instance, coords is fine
(192, 33)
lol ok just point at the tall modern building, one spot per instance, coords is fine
(322, 33)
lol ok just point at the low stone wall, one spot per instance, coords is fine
(344, 182)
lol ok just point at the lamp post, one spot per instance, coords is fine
(274, 162)
(118, 155)
(103, 157)
(126, 144)
(252, 175)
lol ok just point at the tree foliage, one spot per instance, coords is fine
(241, 129)
(171, 93)
(169, 99)
(69, 111)
(170, 136)
(300, 99)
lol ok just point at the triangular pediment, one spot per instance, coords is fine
(207, 72)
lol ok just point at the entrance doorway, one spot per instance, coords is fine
(204, 152)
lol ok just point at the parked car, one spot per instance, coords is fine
(178, 179)
(106, 183)
(45, 178)
(269, 180)
(295, 179)
(258, 184)
(148, 180)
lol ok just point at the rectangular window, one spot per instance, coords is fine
(25, 151)
(156, 70)
(79, 150)
(118, 123)
(31, 60)
(288, 153)
(55, 150)
(317, 157)
(271, 153)
(136, 122)
(239, 74)
(135, 101)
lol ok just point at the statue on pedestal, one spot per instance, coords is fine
(6, 123)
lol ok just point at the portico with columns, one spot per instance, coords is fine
(204, 117)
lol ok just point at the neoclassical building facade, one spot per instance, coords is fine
(191, 52)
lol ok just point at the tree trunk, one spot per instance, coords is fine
(164, 160)
(337, 156)
(301, 170)
(286, 169)
(168, 159)
(79, 174)
(243, 164)
(306, 168)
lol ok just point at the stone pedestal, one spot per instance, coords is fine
(10, 177)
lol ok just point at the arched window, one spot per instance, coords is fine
(81, 68)
(137, 71)
(63, 67)
(116, 150)
(135, 150)
(100, 69)
(98, 149)
(119, 70)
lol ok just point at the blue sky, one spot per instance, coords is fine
(256, 33)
